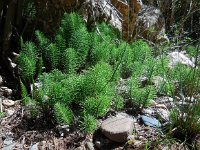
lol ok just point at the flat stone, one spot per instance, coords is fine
(150, 121)
(117, 128)
(8, 102)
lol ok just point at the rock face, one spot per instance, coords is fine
(150, 24)
(117, 128)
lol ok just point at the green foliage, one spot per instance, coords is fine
(60, 43)
(161, 66)
(54, 88)
(188, 79)
(24, 93)
(42, 41)
(83, 69)
(103, 45)
(29, 10)
(97, 80)
(167, 88)
(185, 116)
(27, 61)
(69, 25)
(63, 113)
(192, 51)
(186, 121)
(69, 61)
(140, 51)
(39, 67)
(51, 56)
(98, 106)
(1, 115)
(137, 56)
(89, 123)
(141, 97)
(71, 44)
(118, 103)
(80, 42)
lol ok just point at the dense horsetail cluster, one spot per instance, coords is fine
(79, 71)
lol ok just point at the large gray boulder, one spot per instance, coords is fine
(117, 128)
(178, 57)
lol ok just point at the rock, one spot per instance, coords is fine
(121, 114)
(8, 141)
(131, 137)
(123, 89)
(10, 112)
(8, 92)
(98, 144)
(1, 140)
(3, 87)
(89, 146)
(39, 146)
(163, 114)
(150, 121)
(81, 148)
(150, 24)
(1, 80)
(148, 111)
(160, 106)
(197, 142)
(143, 81)
(63, 129)
(8, 102)
(177, 57)
(157, 81)
(167, 101)
(35, 146)
(1, 107)
(117, 128)
(10, 147)
(178, 146)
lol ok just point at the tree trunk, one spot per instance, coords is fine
(7, 34)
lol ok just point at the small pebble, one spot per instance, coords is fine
(8, 92)
(10, 112)
(98, 144)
